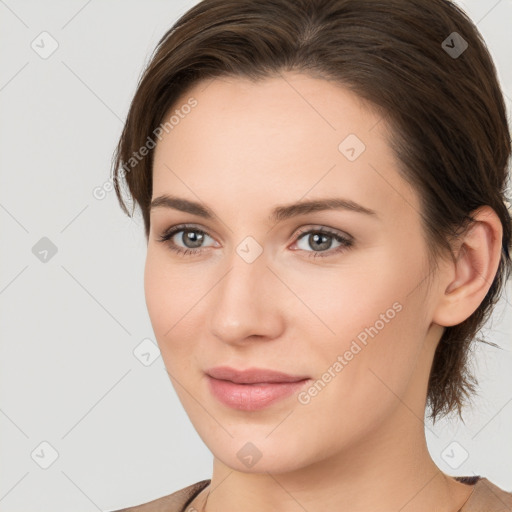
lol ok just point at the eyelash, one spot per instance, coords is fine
(168, 234)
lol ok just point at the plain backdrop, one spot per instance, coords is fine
(86, 423)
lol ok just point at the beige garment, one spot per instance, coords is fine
(486, 497)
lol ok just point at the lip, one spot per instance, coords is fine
(252, 389)
(252, 375)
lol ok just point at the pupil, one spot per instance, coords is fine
(322, 245)
(192, 236)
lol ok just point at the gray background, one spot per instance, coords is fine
(69, 326)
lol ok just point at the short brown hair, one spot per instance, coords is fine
(449, 126)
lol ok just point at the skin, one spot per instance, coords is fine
(359, 444)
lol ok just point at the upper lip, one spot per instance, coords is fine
(252, 375)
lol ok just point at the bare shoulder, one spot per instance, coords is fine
(175, 502)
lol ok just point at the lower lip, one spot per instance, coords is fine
(252, 397)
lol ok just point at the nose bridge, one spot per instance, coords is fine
(243, 303)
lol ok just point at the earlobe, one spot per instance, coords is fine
(470, 275)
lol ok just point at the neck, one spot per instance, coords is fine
(389, 471)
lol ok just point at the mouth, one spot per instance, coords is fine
(252, 389)
(253, 375)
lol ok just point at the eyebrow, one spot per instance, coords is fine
(278, 214)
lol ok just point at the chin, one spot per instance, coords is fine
(249, 452)
(276, 463)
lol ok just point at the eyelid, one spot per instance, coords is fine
(173, 230)
(323, 229)
(300, 231)
(342, 237)
(345, 240)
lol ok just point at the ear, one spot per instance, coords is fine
(466, 281)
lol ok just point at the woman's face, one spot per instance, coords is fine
(348, 310)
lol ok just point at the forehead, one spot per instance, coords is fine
(277, 140)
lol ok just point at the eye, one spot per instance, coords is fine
(322, 239)
(191, 236)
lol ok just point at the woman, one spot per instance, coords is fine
(322, 184)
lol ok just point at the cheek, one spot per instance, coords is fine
(377, 325)
(166, 297)
(361, 384)
(172, 303)
(155, 292)
(168, 290)
(365, 292)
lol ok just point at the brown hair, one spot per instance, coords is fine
(446, 111)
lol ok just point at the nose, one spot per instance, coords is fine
(246, 302)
